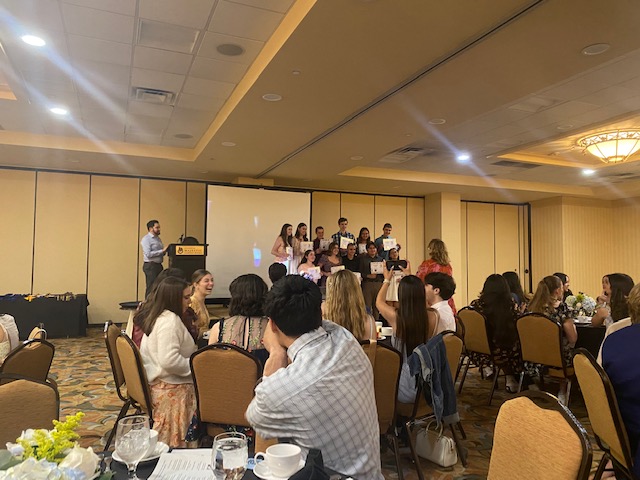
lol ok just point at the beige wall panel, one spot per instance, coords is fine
(113, 247)
(432, 218)
(325, 212)
(62, 230)
(358, 209)
(165, 201)
(626, 255)
(414, 251)
(547, 239)
(461, 270)
(16, 218)
(196, 210)
(391, 210)
(480, 247)
(507, 238)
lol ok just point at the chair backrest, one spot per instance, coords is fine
(386, 363)
(224, 377)
(26, 403)
(540, 340)
(537, 437)
(32, 359)
(602, 408)
(37, 332)
(459, 327)
(111, 333)
(134, 373)
(475, 331)
(454, 345)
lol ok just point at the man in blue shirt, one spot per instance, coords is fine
(152, 251)
(386, 233)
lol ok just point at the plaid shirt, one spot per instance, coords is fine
(336, 239)
(324, 399)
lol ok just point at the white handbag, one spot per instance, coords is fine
(436, 447)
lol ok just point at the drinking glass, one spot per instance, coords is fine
(132, 441)
(229, 456)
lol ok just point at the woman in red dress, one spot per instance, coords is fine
(438, 262)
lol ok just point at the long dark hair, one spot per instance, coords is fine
(621, 285)
(168, 296)
(513, 280)
(287, 239)
(542, 302)
(412, 327)
(564, 278)
(145, 306)
(360, 239)
(301, 237)
(497, 305)
(247, 296)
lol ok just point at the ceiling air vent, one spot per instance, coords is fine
(151, 95)
(405, 154)
(512, 164)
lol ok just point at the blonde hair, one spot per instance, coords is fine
(344, 304)
(439, 252)
(633, 301)
(542, 299)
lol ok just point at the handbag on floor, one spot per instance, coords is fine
(436, 447)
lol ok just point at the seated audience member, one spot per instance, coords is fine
(612, 303)
(497, 305)
(188, 317)
(317, 388)
(371, 282)
(165, 349)
(276, 272)
(328, 261)
(566, 291)
(344, 305)
(620, 358)
(409, 326)
(307, 264)
(246, 325)
(351, 261)
(440, 287)
(519, 298)
(202, 282)
(399, 268)
(9, 337)
(548, 300)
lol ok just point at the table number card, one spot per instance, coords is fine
(377, 267)
(389, 243)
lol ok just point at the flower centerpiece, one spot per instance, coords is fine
(583, 305)
(49, 454)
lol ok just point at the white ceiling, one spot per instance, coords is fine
(359, 80)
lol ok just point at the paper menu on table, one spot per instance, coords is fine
(184, 465)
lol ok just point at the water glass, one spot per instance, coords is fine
(229, 456)
(132, 441)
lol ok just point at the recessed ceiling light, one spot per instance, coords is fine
(272, 97)
(230, 49)
(228, 144)
(595, 49)
(295, 72)
(463, 157)
(588, 171)
(562, 128)
(408, 135)
(183, 136)
(33, 40)
(437, 121)
(204, 171)
(357, 157)
(59, 110)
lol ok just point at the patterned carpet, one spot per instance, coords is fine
(82, 371)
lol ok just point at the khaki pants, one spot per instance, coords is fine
(370, 291)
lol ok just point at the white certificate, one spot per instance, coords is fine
(389, 243)
(345, 241)
(314, 272)
(337, 269)
(362, 248)
(377, 267)
(304, 246)
(324, 244)
(357, 274)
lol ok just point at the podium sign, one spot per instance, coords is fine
(187, 258)
(190, 250)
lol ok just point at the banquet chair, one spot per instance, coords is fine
(419, 410)
(535, 436)
(111, 333)
(134, 374)
(604, 414)
(224, 377)
(386, 363)
(38, 332)
(541, 343)
(31, 359)
(26, 403)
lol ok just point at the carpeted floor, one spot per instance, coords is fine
(82, 371)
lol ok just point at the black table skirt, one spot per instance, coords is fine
(61, 318)
(590, 337)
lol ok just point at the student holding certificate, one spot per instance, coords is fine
(363, 240)
(371, 269)
(308, 268)
(283, 246)
(331, 260)
(300, 245)
(342, 238)
(320, 244)
(386, 242)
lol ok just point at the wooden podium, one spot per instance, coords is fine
(187, 258)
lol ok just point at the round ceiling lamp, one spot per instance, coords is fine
(612, 147)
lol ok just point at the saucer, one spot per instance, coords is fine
(161, 448)
(381, 337)
(262, 471)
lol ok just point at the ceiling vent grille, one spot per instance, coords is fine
(151, 95)
(405, 154)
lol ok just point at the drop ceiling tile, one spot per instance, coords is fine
(167, 37)
(65, 128)
(211, 69)
(211, 41)
(125, 7)
(208, 88)
(575, 88)
(142, 138)
(45, 72)
(196, 102)
(157, 80)
(150, 109)
(171, 141)
(280, 6)
(34, 15)
(188, 13)
(91, 74)
(94, 48)
(114, 101)
(161, 60)
(105, 131)
(145, 125)
(53, 54)
(98, 116)
(93, 23)
(244, 21)
(609, 95)
(51, 86)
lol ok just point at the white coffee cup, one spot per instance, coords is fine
(282, 459)
(153, 442)
(386, 331)
(378, 326)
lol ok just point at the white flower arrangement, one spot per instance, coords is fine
(582, 304)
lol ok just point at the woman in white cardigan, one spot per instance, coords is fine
(166, 347)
